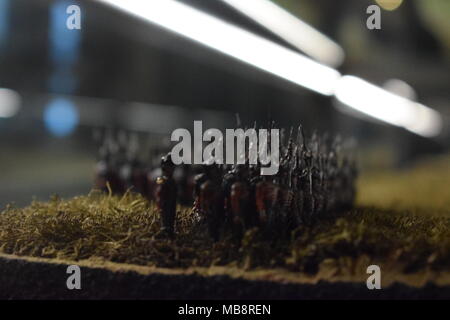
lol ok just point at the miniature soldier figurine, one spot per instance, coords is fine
(228, 179)
(283, 193)
(316, 186)
(295, 204)
(267, 195)
(199, 180)
(166, 195)
(133, 176)
(152, 172)
(106, 175)
(242, 201)
(332, 181)
(132, 172)
(151, 177)
(306, 186)
(348, 174)
(352, 176)
(185, 182)
(211, 200)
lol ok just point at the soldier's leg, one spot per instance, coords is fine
(168, 222)
(214, 231)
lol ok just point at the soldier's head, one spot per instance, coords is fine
(167, 165)
(215, 171)
(211, 169)
(254, 170)
(241, 170)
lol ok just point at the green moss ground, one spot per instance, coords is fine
(401, 222)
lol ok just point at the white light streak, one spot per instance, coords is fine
(401, 88)
(233, 41)
(291, 29)
(388, 107)
(284, 63)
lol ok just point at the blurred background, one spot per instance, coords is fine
(57, 86)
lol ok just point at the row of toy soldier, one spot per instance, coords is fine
(313, 179)
(119, 168)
